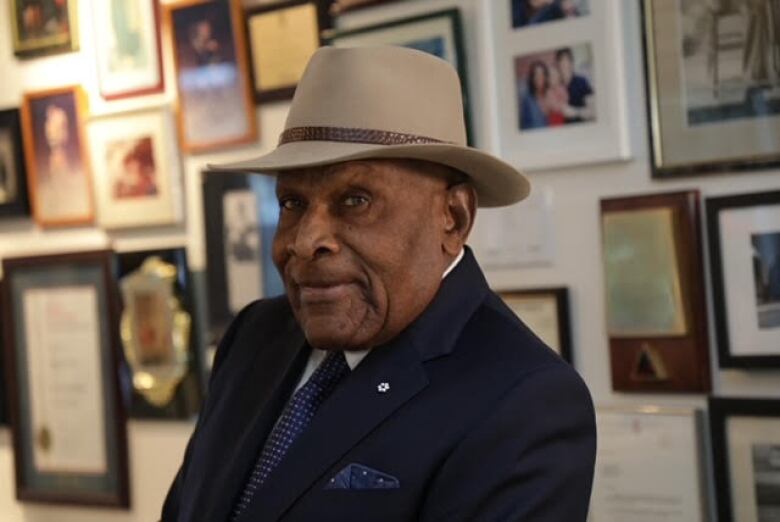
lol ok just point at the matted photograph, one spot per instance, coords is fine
(766, 479)
(13, 175)
(766, 271)
(535, 12)
(43, 27)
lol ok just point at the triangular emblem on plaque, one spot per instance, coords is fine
(649, 366)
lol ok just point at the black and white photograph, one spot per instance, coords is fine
(766, 271)
(766, 475)
(534, 12)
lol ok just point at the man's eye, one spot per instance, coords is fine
(355, 201)
(289, 204)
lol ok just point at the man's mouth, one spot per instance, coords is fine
(313, 293)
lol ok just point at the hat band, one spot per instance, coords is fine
(353, 135)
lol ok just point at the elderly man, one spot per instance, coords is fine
(390, 383)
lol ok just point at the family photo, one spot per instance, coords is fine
(533, 12)
(766, 271)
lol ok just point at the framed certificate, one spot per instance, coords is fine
(546, 312)
(746, 457)
(44, 27)
(13, 175)
(61, 351)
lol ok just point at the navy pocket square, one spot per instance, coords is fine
(358, 476)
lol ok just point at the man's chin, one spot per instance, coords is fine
(325, 337)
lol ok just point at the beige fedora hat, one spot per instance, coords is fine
(383, 102)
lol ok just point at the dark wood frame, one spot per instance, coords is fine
(714, 206)
(10, 119)
(44, 50)
(104, 260)
(686, 357)
(324, 21)
(561, 296)
(338, 9)
(720, 409)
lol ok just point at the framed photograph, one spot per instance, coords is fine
(282, 37)
(546, 312)
(44, 27)
(656, 311)
(438, 33)
(342, 6)
(215, 105)
(745, 437)
(127, 44)
(744, 242)
(13, 175)
(559, 73)
(62, 366)
(241, 213)
(137, 169)
(59, 176)
(713, 83)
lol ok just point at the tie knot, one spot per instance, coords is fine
(330, 371)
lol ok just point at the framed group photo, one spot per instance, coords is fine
(546, 312)
(44, 27)
(13, 175)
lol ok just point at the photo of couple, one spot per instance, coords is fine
(555, 87)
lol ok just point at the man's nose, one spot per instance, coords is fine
(316, 233)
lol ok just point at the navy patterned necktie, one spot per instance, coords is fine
(295, 417)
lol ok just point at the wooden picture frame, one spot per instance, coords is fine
(62, 312)
(745, 435)
(53, 27)
(744, 243)
(215, 106)
(13, 173)
(656, 309)
(58, 169)
(546, 312)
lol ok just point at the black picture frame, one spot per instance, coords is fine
(19, 205)
(715, 207)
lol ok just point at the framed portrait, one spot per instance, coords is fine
(559, 74)
(44, 27)
(137, 169)
(744, 242)
(62, 358)
(713, 83)
(745, 436)
(13, 175)
(438, 33)
(656, 312)
(241, 213)
(546, 312)
(127, 45)
(342, 6)
(282, 37)
(159, 336)
(215, 105)
(58, 169)
(636, 446)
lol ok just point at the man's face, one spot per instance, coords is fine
(360, 246)
(566, 68)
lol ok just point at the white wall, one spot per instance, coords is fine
(156, 447)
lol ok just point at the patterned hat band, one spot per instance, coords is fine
(353, 135)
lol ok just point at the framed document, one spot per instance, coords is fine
(637, 449)
(137, 169)
(44, 27)
(744, 241)
(746, 457)
(215, 107)
(59, 177)
(713, 77)
(127, 44)
(13, 176)
(61, 340)
(282, 38)
(546, 312)
(656, 313)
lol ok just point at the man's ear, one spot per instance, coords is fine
(461, 210)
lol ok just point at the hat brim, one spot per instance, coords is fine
(497, 183)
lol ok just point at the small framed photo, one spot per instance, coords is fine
(127, 44)
(546, 312)
(745, 436)
(62, 357)
(59, 176)
(713, 83)
(215, 104)
(44, 27)
(137, 169)
(282, 37)
(744, 242)
(13, 175)
(527, 13)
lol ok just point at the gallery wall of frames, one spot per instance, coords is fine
(648, 255)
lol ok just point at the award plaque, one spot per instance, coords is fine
(656, 314)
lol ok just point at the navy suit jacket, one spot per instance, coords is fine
(481, 421)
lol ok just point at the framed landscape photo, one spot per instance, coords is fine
(13, 175)
(43, 27)
(58, 169)
(713, 81)
(62, 366)
(546, 312)
(744, 242)
(137, 169)
(745, 436)
(215, 102)
(656, 311)
(127, 44)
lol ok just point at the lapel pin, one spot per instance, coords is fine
(383, 387)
